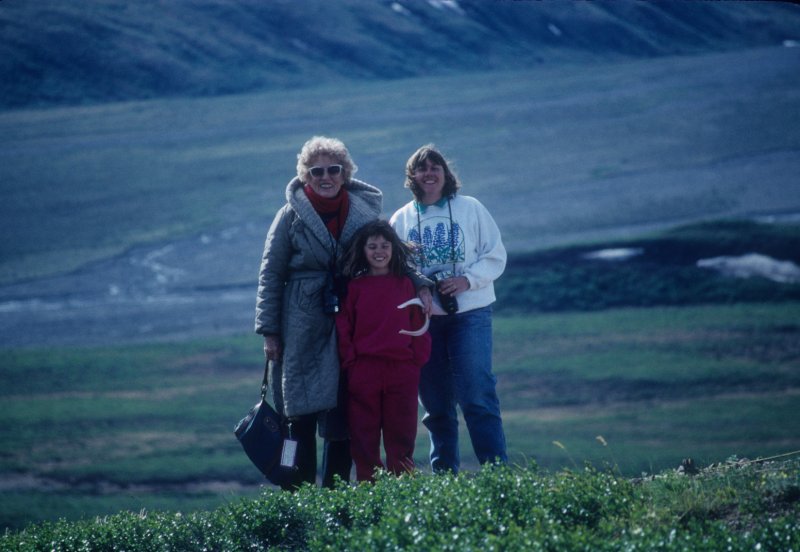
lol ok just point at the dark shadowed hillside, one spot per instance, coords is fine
(55, 52)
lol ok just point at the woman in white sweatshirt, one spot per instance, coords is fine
(461, 249)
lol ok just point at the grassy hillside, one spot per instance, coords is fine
(575, 123)
(93, 430)
(62, 53)
(558, 155)
(103, 429)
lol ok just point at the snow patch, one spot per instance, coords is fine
(451, 5)
(162, 273)
(397, 7)
(554, 29)
(614, 254)
(754, 264)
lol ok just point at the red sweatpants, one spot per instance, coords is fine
(382, 397)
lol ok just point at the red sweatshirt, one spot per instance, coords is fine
(369, 322)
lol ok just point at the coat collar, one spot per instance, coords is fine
(421, 207)
(366, 202)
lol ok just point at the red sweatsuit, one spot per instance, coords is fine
(382, 368)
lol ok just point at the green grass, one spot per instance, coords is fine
(16, 507)
(652, 436)
(87, 183)
(732, 506)
(658, 384)
(660, 344)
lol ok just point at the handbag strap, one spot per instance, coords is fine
(264, 387)
(265, 381)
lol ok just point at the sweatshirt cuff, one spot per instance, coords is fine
(471, 280)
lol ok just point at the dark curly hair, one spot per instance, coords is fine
(355, 261)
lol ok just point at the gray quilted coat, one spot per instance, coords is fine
(294, 269)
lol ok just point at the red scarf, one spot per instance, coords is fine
(332, 210)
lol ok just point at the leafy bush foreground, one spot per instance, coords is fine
(738, 505)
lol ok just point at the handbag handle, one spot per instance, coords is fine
(264, 382)
(264, 387)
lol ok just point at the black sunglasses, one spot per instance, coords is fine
(333, 170)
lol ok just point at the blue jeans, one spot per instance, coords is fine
(460, 372)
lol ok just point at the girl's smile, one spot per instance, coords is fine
(378, 251)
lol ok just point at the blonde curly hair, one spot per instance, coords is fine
(322, 145)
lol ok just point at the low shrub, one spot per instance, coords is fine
(738, 505)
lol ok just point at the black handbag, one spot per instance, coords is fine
(262, 433)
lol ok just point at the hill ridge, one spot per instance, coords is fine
(58, 53)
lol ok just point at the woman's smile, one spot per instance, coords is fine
(326, 185)
(430, 178)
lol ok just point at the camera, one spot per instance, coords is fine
(330, 296)
(449, 302)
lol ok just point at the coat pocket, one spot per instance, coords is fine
(309, 295)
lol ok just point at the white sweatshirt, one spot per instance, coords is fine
(476, 246)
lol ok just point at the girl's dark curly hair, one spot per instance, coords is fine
(430, 153)
(355, 261)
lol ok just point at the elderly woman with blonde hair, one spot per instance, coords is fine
(298, 297)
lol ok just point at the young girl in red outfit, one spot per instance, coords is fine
(381, 363)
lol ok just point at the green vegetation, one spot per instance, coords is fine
(659, 384)
(92, 431)
(731, 506)
(558, 155)
(625, 367)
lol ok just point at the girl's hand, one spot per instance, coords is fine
(426, 297)
(454, 286)
(272, 347)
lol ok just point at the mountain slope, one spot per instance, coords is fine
(56, 53)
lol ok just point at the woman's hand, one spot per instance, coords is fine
(426, 297)
(272, 347)
(454, 286)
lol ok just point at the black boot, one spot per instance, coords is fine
(336, 460)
